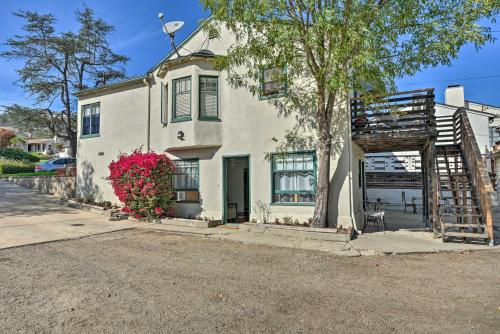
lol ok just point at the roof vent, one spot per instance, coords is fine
(204, 53)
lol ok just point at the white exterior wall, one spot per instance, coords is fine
(480, 123)
(247, 127)
(122, 129)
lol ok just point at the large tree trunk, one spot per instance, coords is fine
(323, 153)
(73, 143)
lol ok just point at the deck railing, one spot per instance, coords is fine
(400, 112)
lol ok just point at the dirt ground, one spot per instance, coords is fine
(150, 282)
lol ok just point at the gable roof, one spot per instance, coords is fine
(135, 79)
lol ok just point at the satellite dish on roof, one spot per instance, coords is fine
(171, 27)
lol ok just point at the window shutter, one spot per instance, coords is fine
(164, 104)
(208, 97)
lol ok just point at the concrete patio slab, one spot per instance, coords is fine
(28, 217)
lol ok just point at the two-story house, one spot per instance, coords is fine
(221, 140)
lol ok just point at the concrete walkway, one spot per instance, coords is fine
(28, 217)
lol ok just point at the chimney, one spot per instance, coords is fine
(454, 96)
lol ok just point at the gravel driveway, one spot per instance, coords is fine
(150, 282)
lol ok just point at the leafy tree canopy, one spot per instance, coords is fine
(330, 48)
(56, 66)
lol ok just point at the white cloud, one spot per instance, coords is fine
(136, 39)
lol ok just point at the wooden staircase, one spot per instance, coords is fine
(457, 191)
(459, 208)
(463, 183)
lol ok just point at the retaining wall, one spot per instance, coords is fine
(60, 186)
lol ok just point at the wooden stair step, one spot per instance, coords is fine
(450, 146)
(466, 235)
(460, 182)
(464, 225)
(459, 205)
(457, 214)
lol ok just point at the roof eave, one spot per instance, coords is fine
(115, 85)
(168, 64)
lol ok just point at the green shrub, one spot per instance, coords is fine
(16, 154)
(15, 166)
(40, 156)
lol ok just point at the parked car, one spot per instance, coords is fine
(54, 164)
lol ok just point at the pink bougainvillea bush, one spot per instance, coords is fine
(143, 183)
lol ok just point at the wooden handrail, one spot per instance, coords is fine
(479, 174)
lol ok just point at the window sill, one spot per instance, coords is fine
(180, 120)
(209, 119)
(273, 96)
(90, 136)
(292, 204)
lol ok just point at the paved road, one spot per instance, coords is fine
(148, 282)
(28, 217)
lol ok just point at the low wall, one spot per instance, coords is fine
(60, 186)
(325, 234)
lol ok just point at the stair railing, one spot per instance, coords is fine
(479, 175)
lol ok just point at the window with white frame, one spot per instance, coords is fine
(294, 178)
(181, 99)
(91, 119)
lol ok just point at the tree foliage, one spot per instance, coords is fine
(56, 66)
(331, 48)
(5, 136)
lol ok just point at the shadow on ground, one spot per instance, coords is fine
(28, 203)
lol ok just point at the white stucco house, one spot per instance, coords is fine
(49, 146)
(220, 138)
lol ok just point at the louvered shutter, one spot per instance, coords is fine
(208, 97)
(164, 104)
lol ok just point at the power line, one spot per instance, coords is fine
(459, 79)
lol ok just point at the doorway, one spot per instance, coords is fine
(236, 189)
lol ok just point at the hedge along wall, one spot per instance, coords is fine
(15, 154)
(60, 186)
(8, 166)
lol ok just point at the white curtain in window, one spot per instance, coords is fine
(294, 181)
(186, 175)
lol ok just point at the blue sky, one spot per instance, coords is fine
(138, 36)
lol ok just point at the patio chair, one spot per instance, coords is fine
(412, 204)
(375, 213)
